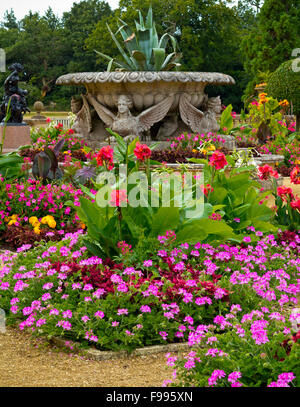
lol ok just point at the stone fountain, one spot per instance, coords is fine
(151, 105)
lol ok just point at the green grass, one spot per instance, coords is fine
(47, 114)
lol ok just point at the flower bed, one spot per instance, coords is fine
(33, 211)
(230, 299)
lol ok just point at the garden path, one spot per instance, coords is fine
(24, 363)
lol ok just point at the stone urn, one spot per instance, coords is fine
(38, 108)
(151, 105)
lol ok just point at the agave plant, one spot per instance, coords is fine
(145, 52)
(45, 164)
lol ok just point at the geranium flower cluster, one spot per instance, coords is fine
(290, 151)
(194, 141)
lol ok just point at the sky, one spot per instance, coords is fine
(21, 8)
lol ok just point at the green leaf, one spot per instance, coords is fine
(87, 191)
(109, 66)
(262, 226)
(144, 43)
(149, 18)
(94, 248)
(158, 57)
(165, 219)
(226, 119)
(122, 146)
(197, 160)
(218, 195)
(140, 58)
(191, 233)
(122, 52)
(135, 230)
(215, 227)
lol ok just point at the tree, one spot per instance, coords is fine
(284, 83)
(40, 46)
(78, 25)
(272, 40)
(10, 20)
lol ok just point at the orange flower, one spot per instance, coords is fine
(284, 103)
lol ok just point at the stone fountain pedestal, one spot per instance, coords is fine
(16, 135)
(152, 105)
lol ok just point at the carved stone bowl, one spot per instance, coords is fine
(145, 88)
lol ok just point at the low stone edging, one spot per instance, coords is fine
(99, 355)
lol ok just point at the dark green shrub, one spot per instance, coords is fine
(284, 83)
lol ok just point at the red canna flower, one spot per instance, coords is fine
(206, 189)
(105, 155)
(267, 171)
(285, 192)
(218, 160)
(295, 175)
(118, 196)
(296, 204)
(142, 152)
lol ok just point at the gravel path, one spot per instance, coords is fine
(24, 363)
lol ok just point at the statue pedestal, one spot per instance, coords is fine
(16, 135)
(37, 123)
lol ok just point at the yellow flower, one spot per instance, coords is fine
(211, 148)
(37, 230)
(297, 161)
(51, 223)
(33, 219)
(284, 103)
(44, 220)
(12, 220)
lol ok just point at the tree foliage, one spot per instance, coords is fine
(209, 34)
(284, 83)
(271, 40)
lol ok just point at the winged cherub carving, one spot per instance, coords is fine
(124, 123)
(82, 110)
(201, 121)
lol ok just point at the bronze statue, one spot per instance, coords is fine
(14, 95)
